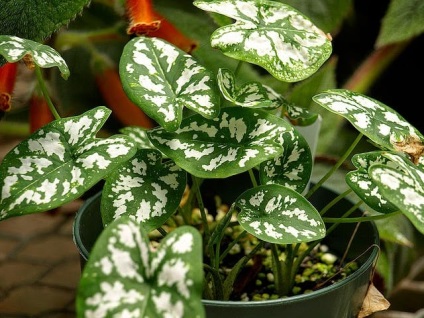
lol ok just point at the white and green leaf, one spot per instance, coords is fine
(362, 184)
(162, 79)
(278, 214)
(404, 188)
(272, 35)
(58, 163)
(293, 167)
(124, 277)
(138, 135)
(252, 94)
(145, 188)
(14, 49)
(237, 140)
(384, 126)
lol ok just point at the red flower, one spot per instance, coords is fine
(144, 20)
(7, 83)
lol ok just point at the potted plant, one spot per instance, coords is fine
(155, 177)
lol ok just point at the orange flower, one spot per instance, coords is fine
(39, 112)
(7, 83)
(110, 87)
(170, 33)
(142, 17)
(144, 20)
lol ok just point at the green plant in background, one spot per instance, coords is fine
(221, 110)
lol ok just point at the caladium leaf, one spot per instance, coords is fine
(237, 140)
(361, 183)
(138, 135)
(404, 188)
(293, 167)
(162, 79)
(144, 187)
(125, 278)
(378, 122)
(278, 214)
(252, 94)
(58, 163)
(15, 49)
(300, 116)
(272, 35)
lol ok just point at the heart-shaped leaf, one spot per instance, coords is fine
(14, 49)
(144, 187)
(293, 167)
(361, 183)
(125, 278)
(272, 35)
(162, 80)
(404, 188)
(378, 122)
(237, 140)
(278, 214)
(58, 163)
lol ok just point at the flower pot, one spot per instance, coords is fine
(342, 299)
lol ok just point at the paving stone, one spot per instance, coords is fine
(27, 226)
(32, 300)
(66, 274)
(49, 249)
(7, 246)
(15, 273)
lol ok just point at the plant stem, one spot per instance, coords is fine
(45, 92)
(336, 166)
(361, 218)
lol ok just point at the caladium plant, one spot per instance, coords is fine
(210, 125)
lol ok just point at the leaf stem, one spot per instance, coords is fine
(361, 218)
(45, 92)
(334, 168)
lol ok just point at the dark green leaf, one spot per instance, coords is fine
(37, 19)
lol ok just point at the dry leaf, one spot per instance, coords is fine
(374, 301)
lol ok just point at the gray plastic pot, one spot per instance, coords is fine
(340, 300)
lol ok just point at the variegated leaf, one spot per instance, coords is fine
(251, 94)
(58, 163)
(272, 35)
(404, 188)
(278, 214)
(300, 116)
(145, 188)
(361, 183)
(291, 169)
(378, 122)
(14, 49)
(237, 140)
(138, 135)
(125, 278)
(162, 80)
